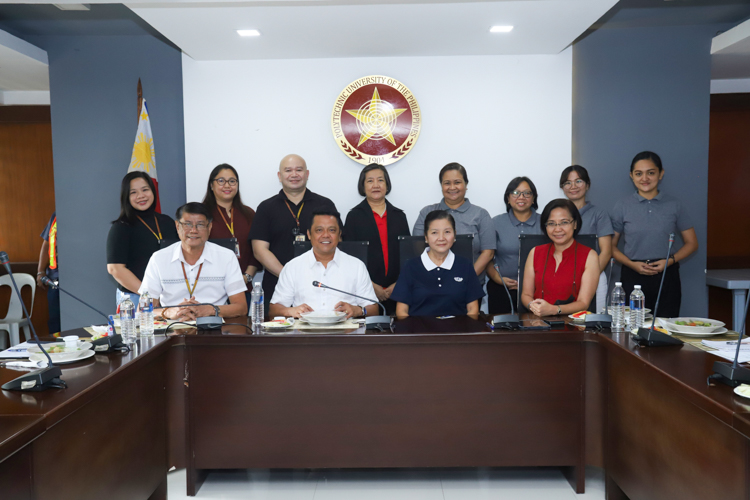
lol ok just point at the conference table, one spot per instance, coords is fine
(430, 393)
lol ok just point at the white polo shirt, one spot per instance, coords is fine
(220, 276)
(343, 272)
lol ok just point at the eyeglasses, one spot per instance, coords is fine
(577, 182)
(520, 194)
(221, 181)
(189, 225)
(562, 223)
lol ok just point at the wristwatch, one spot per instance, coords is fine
(247, 277)
(216, 310)
(559, 311)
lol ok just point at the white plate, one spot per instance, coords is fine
(64, 357)
(739, 392)
(669, 323)
(278, 325)
(324, 318)
(720, 331)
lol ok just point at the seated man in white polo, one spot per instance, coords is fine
(195, 271)
(295, 294)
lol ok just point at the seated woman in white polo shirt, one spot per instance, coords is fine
(295, 294)
(195, 271)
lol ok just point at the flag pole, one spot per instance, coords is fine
(140, 100)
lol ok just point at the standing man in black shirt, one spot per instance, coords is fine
(284, 218)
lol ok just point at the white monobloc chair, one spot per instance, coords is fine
(15, 319)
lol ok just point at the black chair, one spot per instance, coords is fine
(529, 241)
(413, 246)
(356, 249)
(227, 243)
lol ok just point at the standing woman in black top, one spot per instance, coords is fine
(136, 234)
(377, 221)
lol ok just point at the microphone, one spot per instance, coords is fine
(603, 320)
(104, 344)
(732, 374)
(37, 380)
(649, 336)
(371, 322)
(509, 321)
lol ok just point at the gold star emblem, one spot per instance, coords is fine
(376, 119)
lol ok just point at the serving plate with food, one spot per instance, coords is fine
(323, 317)
(61, 353)
(278, 324)
(693, 326)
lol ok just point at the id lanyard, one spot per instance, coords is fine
(230, 226)
(157, 236)
(298, 236)
(195, 284)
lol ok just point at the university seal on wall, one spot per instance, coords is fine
(376, 119)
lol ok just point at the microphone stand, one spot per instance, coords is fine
(507, 321)
(37, 380)
(649, 336)
(732, 374)
(380, 323)
(603, 320)
(104, 344)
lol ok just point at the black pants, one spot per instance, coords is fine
(671, 295)
(53, 301)
(497, 298)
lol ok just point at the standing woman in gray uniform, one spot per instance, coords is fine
(470, 219)
(644, 221)
(521, 218)
(575, 183)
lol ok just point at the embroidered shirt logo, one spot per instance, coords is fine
(458, 278)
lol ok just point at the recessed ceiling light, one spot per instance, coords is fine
(501, 29)
(248, 32)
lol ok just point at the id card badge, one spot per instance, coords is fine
(236, 247)
(299, 237)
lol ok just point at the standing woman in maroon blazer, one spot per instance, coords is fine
(377, 221)
(231, 219)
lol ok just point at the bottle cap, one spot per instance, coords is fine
(618, 283)
(637, 287)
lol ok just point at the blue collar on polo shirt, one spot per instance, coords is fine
(429, 265)
(463, 208)
(531, 221)
(641, 198)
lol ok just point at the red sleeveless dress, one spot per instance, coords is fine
(559, 286)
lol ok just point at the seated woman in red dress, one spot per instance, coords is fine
(560, 277)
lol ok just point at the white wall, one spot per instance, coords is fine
(499, 116)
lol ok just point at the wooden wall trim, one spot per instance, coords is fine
(24, 114)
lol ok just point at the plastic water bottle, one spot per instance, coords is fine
(146, 309)
(256, 305)
(618, 307)
(127, 320)
(637, 305)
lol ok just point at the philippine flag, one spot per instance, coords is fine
(144, 158)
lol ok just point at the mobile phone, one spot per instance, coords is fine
(556, 323)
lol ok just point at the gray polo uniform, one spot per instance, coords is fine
(470, 219)
(595, 221)
(507, 230)
(645, 224)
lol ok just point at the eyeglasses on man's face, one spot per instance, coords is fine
(188, 226)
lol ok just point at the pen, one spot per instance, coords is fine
(490, 326)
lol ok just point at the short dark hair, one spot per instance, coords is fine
(127, 212)
(194, 208)
(327, 213)
(567, 205)
(454, 166)
(370, 168)
(512, 185)
(582, 173)
(646, 155)
(438, 215)
(209, 200)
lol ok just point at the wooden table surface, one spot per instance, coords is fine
(430, 393)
